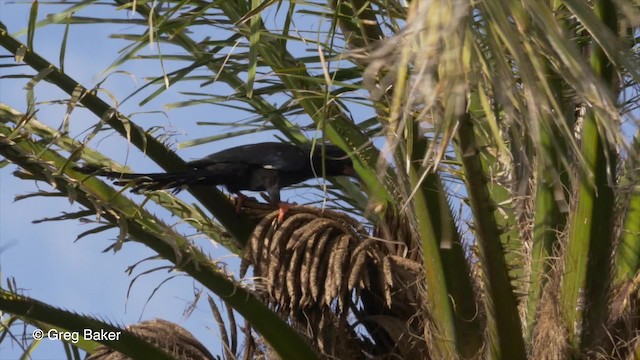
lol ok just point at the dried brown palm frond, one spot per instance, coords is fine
(324, 271)
(174, 339)
(624, 320)
(549, 335)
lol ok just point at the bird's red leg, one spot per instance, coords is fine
(283, 207)
(241, 198)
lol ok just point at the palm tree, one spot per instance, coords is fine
(498, 214)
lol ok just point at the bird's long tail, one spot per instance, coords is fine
(151, 181)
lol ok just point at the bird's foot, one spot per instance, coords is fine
(283, 207)
(242, 200)
(282, 211)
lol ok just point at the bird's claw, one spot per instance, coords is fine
(283, 207)
(282, 210)
(241, 200)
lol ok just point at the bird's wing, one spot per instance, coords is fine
(271, 155)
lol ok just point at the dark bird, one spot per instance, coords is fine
(265, 166)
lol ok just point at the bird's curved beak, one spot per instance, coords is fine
(351, 172)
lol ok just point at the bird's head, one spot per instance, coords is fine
(336, 161)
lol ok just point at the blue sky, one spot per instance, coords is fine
(43, 258)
